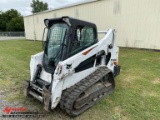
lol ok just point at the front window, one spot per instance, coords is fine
(55, 40)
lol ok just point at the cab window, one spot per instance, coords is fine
(84, 37)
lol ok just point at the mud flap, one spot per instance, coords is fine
(47, 99)
(116, 70)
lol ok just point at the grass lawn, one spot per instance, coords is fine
(136, 97)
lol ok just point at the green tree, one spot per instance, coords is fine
(11, 20)
(2, 21)
(12, 13)
(38, 6)
(16, 24)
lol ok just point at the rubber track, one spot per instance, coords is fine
(70, 95)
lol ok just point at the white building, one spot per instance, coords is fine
(137, 21)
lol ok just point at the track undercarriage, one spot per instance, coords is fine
(88, 92)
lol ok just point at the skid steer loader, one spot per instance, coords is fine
(75, 70)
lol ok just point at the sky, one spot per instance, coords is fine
(23, 6)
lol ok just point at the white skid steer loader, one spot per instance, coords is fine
(75, 70)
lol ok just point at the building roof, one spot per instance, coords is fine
(64, 6)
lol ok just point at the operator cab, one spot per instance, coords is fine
(66, 37)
